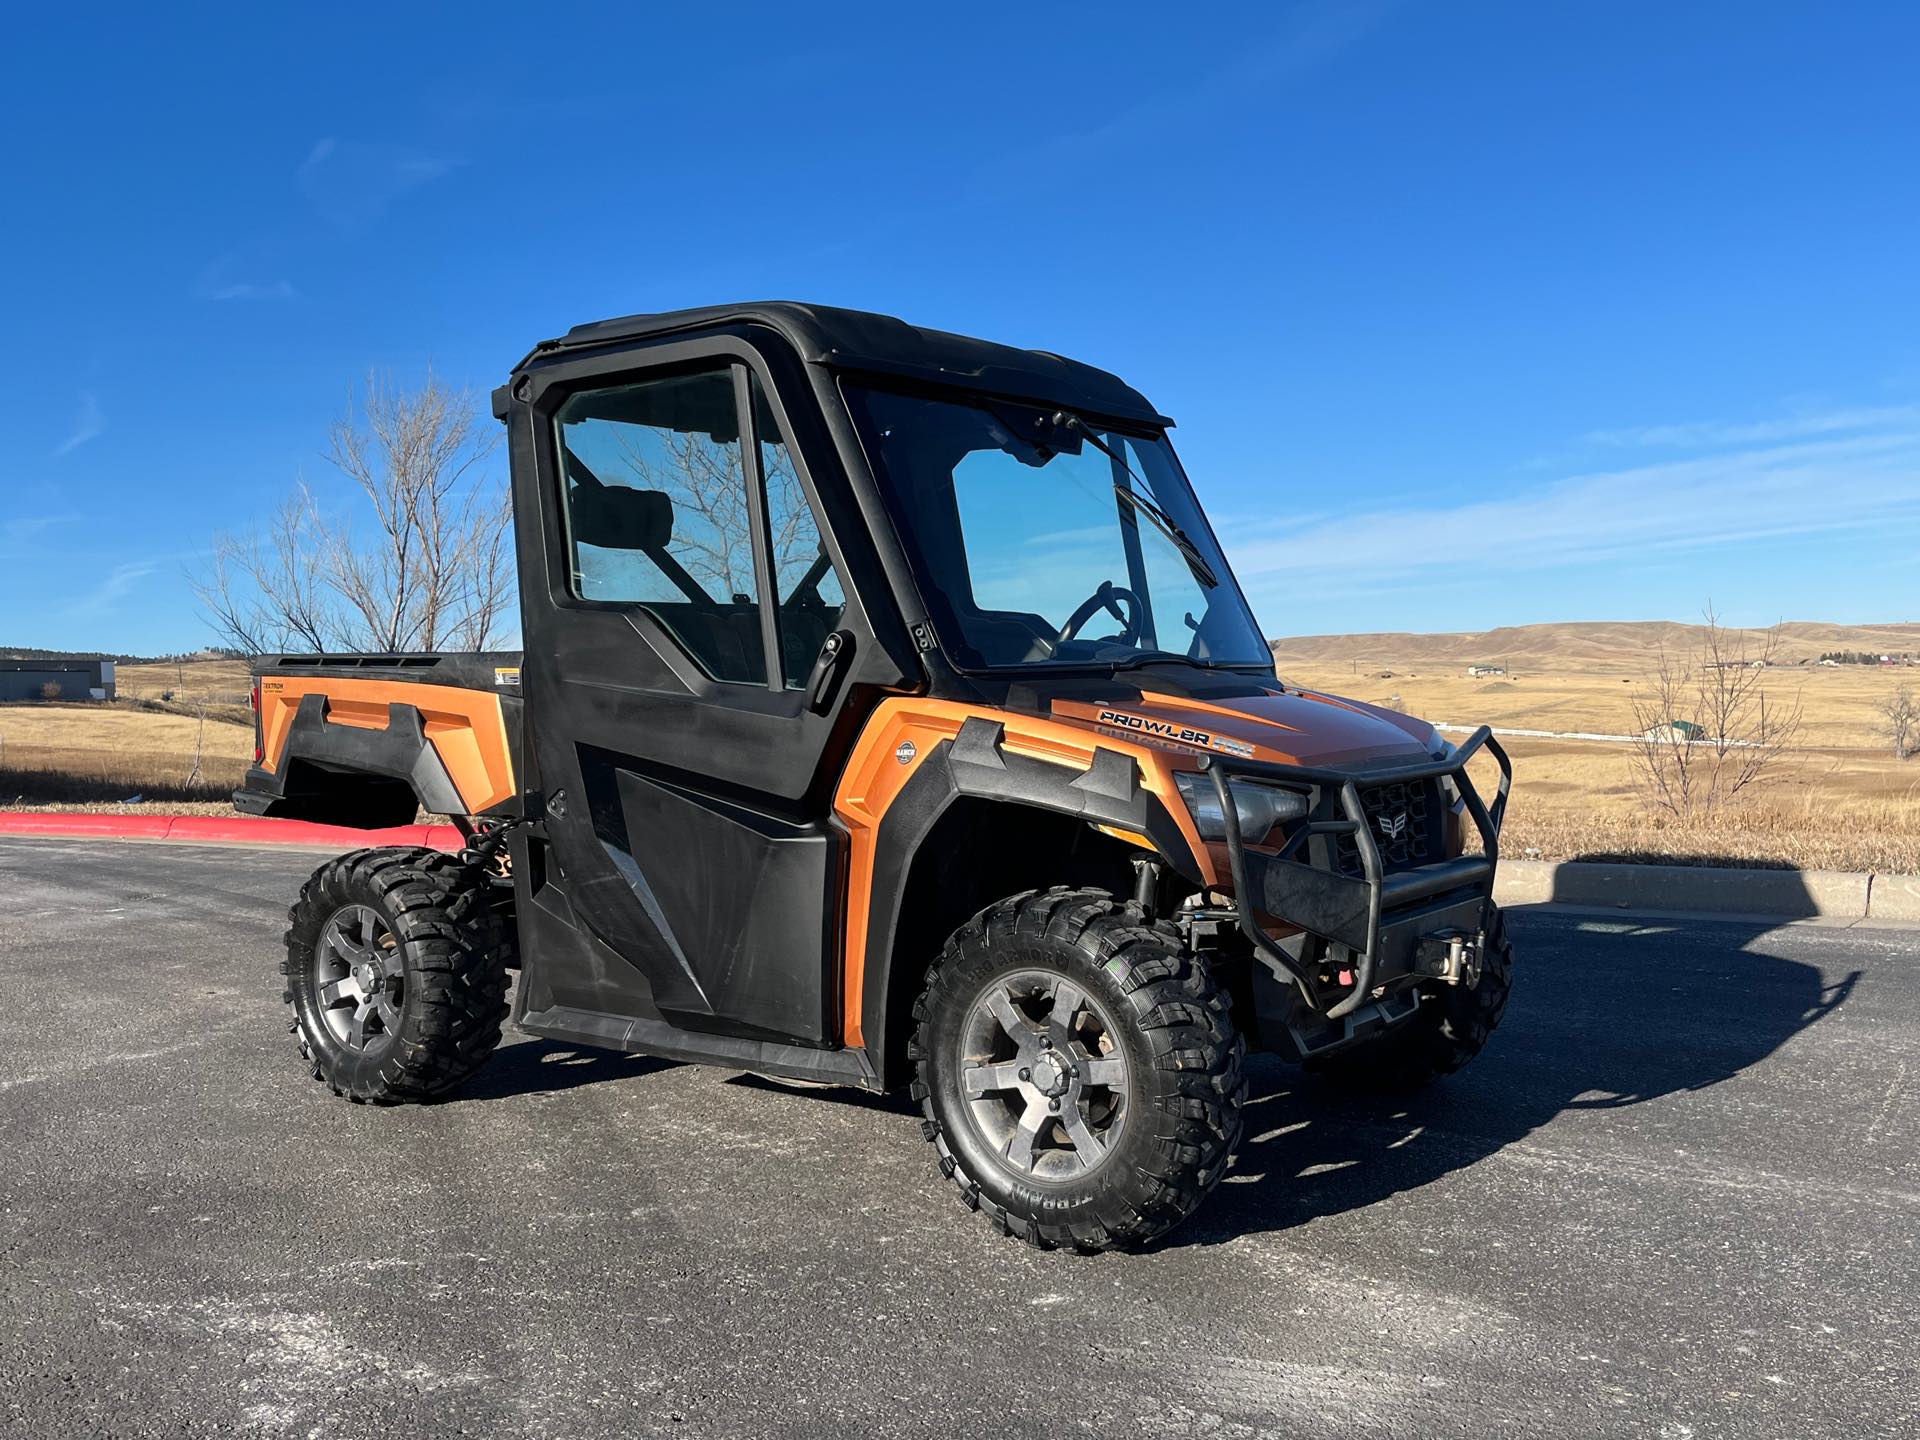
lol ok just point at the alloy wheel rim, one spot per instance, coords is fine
(359, 978)
(1044, 1075)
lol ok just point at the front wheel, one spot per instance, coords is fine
(1078, 1071)
(396, 970)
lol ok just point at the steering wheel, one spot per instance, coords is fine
(1108, 598)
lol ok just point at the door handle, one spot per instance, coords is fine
(835, 651)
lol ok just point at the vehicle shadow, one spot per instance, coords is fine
(1607, 1012)
(891, 1103)
(538, 1067)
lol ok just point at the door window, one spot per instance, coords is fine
(658, 513)
(807, 589)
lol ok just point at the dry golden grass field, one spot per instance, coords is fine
(224, 681)
(99, 755)
(1839, 801)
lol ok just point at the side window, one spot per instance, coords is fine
(807, 590)
(657, 513)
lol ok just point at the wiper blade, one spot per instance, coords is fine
(1196, 562)
(1161, 521)
(1141, 658)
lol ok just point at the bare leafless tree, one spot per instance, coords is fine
(434, 569)
(266, 589)
(1900, 721)
(414, 455)
(1707, 729)
(199, 743)
(492, 581)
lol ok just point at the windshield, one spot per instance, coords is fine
(1042, 538)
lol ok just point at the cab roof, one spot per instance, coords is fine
(858, 341)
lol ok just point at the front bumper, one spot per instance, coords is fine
(1382, 931)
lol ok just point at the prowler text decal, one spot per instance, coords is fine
(1168, 731)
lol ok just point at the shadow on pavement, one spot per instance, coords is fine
(896, 1103)
(1607, 1012)
(535, 1067)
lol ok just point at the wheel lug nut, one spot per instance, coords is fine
(1025, 1073)
(1053, 1105)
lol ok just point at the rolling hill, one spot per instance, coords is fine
(1588, 647)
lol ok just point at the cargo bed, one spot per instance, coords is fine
(369, 739)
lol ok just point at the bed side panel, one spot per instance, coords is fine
(465, 728)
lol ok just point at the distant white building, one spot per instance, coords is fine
(1477, 671)
(1684, 731)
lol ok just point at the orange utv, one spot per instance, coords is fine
(888, 717)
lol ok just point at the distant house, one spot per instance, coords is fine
(1683, 730)
(1477, 671)
(70, 679)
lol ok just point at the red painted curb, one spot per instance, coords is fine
(222, 829)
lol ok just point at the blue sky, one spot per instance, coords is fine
(1470, 314)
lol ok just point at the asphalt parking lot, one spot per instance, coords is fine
(1679, 1196)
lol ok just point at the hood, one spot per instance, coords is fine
(1291, 727)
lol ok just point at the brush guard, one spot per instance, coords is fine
(1419, 922)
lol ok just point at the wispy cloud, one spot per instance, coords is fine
(1720, 434)
(1305, 37)
(21, 535)
(278, 290)
(225, 279)
(1087, 535)
(88, 423)
(118, 584)
(351, 183)
(1868, 482)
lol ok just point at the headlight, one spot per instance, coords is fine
(1260, 807)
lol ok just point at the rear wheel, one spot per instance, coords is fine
(1078, 1071)
(396, 970)
(1451, 1027)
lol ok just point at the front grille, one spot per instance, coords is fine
(1418, 838)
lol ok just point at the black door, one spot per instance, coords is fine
(692, 654)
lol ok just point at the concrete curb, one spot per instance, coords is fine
(1895, 897)
(1794, 894)
(221, 830)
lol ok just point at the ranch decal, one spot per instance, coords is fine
(1166, 730)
